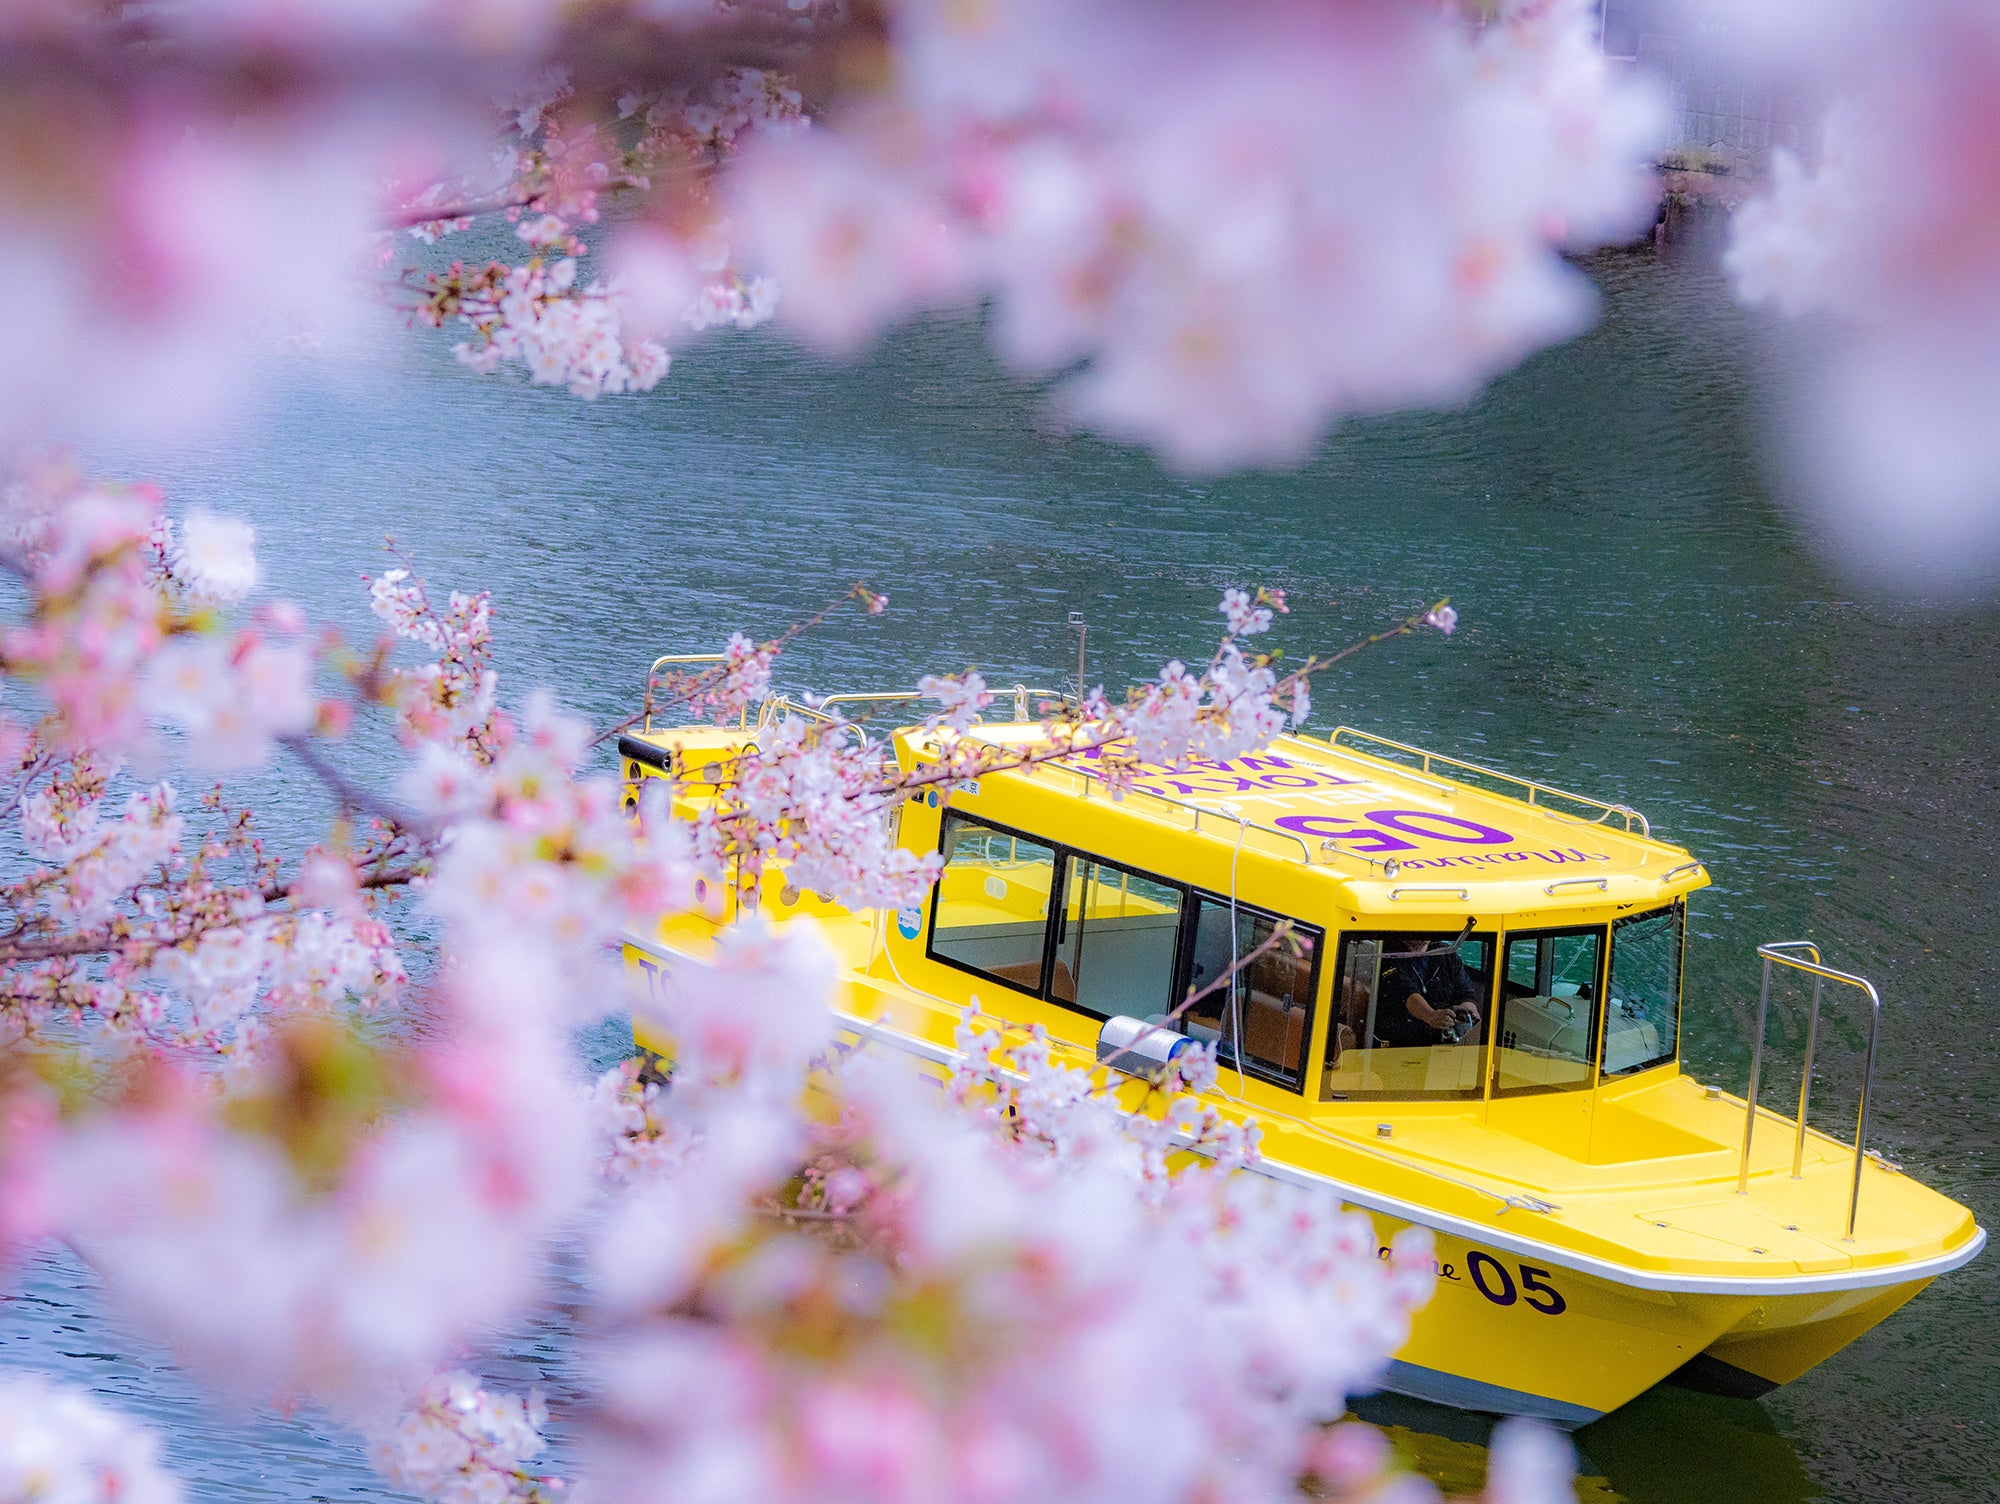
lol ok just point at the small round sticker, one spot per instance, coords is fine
(996, 887)
(931, 798)
(908, 922)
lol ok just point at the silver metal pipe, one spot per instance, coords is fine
(1805, 1084)
(1756, 1071)
(1782, 952)
(1867, 1086)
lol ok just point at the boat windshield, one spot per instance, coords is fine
(1411, 1016)
(1548, 1011)
(1643, 1027)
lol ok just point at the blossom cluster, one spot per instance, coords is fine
(460, 1444)
(922, 1293)
(59, 1445)
(1167, 209)
(820, 802)
(963, 1294)
(536, 317)
(1176, 203)
(1170, 211)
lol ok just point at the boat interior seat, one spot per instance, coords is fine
(1028, 974)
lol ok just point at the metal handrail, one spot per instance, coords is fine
(771, 706)
(1622, 812)
(662, 661)
(1020, 693)
(1779, 952)
(1602, 884)
(871, 697)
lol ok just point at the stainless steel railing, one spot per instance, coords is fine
(1524, 789)
(1231, 818)
(1785, 953)
(661, 662)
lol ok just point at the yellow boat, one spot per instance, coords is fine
(1602, 1221)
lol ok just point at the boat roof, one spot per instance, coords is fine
(1373, 808)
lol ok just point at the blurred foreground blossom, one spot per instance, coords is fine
(961, 1297)
(1175, 198)
(1884, 245)
(1222, 230)
(59, 1446)
(815, 1274)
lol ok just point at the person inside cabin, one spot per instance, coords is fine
(1427, 996)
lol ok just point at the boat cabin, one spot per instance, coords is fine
(1349, 922)
(1344, 921)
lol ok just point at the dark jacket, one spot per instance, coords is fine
(1439, 976)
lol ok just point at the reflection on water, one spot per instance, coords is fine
(1673, 1446)
(1669, 1446)
(1639, 623)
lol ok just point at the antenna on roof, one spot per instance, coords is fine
(1082, 630)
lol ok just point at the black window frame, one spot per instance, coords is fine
(1593, 1030)
(1192, 896)
(1184, 968)
(1058, 914)
(1678, 908)
(1488, 1026)
(1055, 849)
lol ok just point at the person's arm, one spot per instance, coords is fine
(1421, 1010)
(1465, 992)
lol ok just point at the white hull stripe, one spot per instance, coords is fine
(1481, 1233)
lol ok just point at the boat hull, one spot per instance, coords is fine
(1519, 1327)
(1507, 1336)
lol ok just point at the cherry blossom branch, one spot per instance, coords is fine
(352, 795)
(694, 689)
(989, 758)
(120, 938)
(1281, 934)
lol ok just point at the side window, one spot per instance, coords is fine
(1115, 941)
(1411, 1016)
(1548, 1011)
(1262, 1013)
(1643, 1027)
(991, 911)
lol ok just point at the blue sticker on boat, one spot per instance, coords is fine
(908, 922)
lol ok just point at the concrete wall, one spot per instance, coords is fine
(1722, 120)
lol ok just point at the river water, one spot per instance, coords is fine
(1641, 623)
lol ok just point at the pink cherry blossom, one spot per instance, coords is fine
(962, 697)
(216, 557)
(462, 1444)
(1882, 244)
(234, 700)
(57, 1443)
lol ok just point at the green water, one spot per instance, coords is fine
(1640, 623)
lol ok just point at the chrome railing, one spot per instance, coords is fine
(1784, 953)
(661, 662)
(1530, 792)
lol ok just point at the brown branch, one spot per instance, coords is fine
(603, 53)
(1281, 933)
(116, 937)
(353, 796)
(709, 678)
